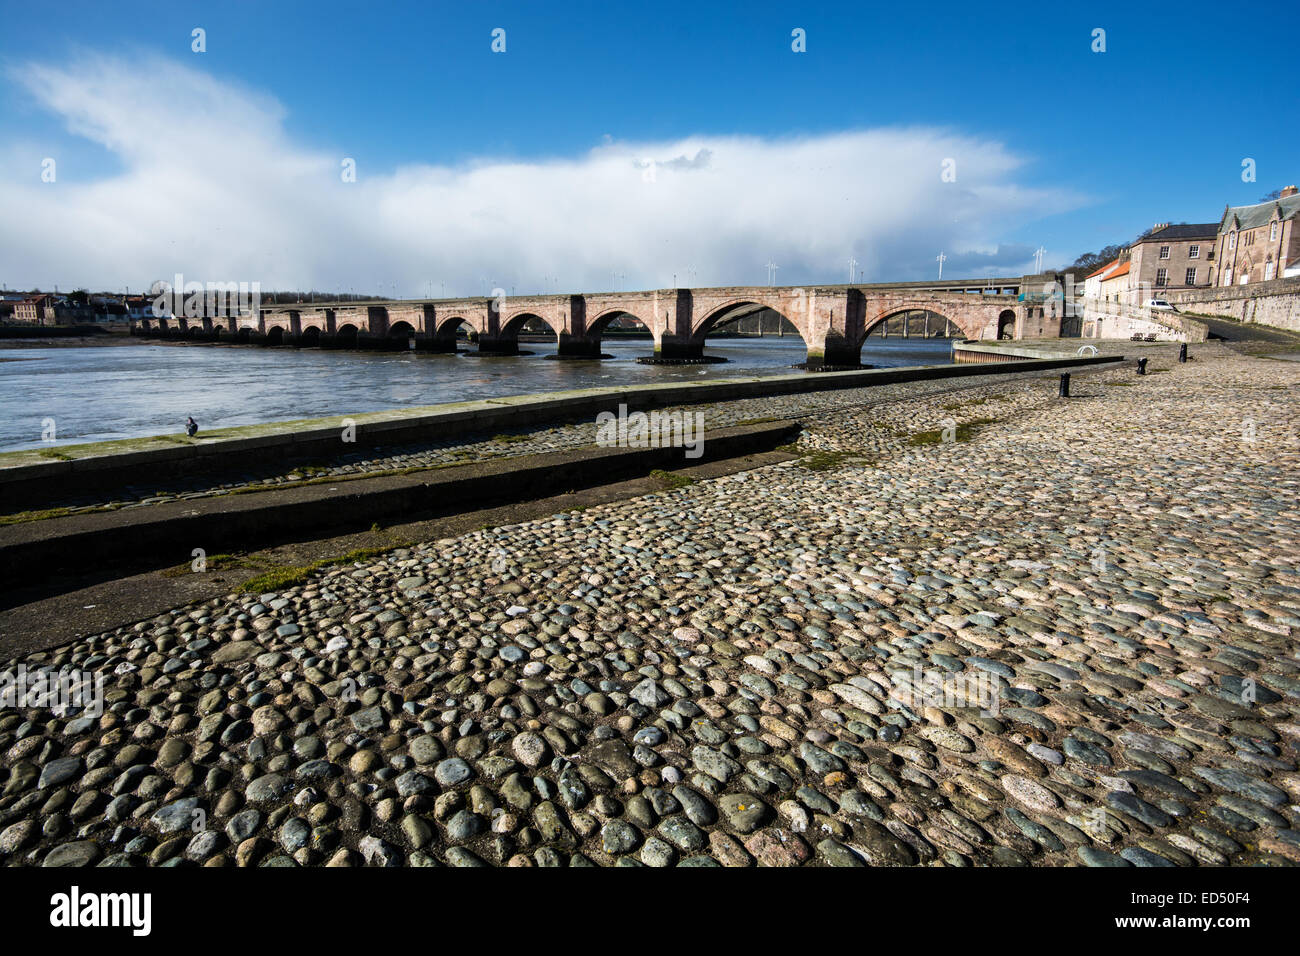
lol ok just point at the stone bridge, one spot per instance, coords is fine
(833, 320)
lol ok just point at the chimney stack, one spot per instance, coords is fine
(1289, 191)
(1160, 225)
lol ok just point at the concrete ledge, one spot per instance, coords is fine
(982, 352)
(102, 467)
(165, 534)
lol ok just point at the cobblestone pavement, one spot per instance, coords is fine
(1066, 636)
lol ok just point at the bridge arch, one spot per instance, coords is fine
(400, 336)
(511, 328)
(275, 335)
(345, 336)
(596, 326)
(739, 308)
(309, 337)
(447, 327)
(969, 325)
(904, 308)
(1007, 324)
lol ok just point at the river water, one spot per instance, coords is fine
(102, 392)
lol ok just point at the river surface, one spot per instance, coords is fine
(99, 392)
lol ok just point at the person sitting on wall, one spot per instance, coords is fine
(191, 426)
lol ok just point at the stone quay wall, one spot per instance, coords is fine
(1275, 303)
(26, 480)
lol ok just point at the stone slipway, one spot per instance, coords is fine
(28, 480)
(117, 542)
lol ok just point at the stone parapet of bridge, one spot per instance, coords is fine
(833, 320)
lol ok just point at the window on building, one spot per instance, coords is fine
(1272, 231)
(1162, 277)
(1164, 252)
(1227, 277)
(1191, 276)
(1268, 271)
(1232, 240)
(1193, 252)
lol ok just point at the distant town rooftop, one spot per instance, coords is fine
(1260, 214)
(1183, 230)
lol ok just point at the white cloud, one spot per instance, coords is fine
(209, 184)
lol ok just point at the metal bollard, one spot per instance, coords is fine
(1142, 366)
(1065, 385)
(1182, 352)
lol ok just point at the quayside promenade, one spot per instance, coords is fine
(742, 670)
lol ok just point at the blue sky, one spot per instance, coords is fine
(1061, 146)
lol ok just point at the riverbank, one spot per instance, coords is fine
(702, 676)
(111, 473)
(142, 388)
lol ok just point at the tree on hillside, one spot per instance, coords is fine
(1091, 261)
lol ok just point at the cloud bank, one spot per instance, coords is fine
(208, 183)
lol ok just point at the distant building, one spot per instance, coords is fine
(1173, 257)
(1092, 282)
(138, 307)
(50, 309)
(1258, 243)
(1114, 285)
(36, 310)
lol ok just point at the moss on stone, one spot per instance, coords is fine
(670, 480)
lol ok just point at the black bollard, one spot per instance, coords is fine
(1182, 352)
(1065, 385)
(1142, 366)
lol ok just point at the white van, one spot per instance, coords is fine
(1160, 305)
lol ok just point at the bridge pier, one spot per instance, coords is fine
(577, 347)
(675, 349)
(498, 345)
(435, 343)
(837, 352)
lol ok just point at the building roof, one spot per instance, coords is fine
(1260, 214)
(1107, 267)
(1184, 230)
(1121, 271)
